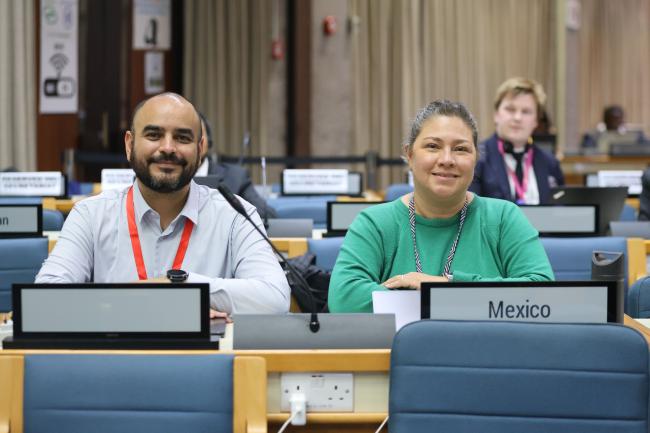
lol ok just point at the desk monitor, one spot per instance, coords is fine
(628, 178)
(527, 301)
(548, 142)
(340, 215)
(607, 138)
(610, 201)
(111, 316)
(563, 220)
(290, 227)
(291, 331)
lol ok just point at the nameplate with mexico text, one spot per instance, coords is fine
(558, 301)
(21, 220)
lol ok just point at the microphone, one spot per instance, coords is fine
(245, 144)
(314, 324)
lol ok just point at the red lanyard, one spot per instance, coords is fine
(520, 187)
(135, 239)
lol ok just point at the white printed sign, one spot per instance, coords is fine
(59, 56)
(117, 178)
(315, 181)
(154, 72)
(629, 178)
(38, 183)
(152, 24)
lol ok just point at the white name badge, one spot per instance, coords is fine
(21, 220)
(117, 178)
(315, 181)
(561, 301)
(37, 183)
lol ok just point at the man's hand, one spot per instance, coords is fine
(214, 314)
(412, 280)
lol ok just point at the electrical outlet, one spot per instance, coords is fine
(325, 392)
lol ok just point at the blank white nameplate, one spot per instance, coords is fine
(563, 220)
(315, 181)
(404, 304)
(35, 183)
(117, 178)
(629, 178)
(559, 301)
(21, 220)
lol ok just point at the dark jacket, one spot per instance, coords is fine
(491, 177)
(239, 182)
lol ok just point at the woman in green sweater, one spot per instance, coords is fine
(440, 232)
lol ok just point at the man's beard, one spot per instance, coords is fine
(164, 183)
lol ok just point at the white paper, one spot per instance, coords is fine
(404, 304)
(152, 24)
(154, 72)
(36, 183)
(117, 178)
(315, 181)
(59, 80)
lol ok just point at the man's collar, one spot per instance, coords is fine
(190, 210)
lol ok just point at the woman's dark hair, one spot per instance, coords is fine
(442, 107)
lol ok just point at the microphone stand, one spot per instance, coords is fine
(314, 324)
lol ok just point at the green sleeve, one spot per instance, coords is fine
(358, 268)
(520, 251)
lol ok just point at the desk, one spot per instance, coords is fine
(575, 167)
(62, 205)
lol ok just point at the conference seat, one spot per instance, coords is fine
(513, 377)
(52, 220)
(571, 258)
(638, 299)
(150, 393)
(397, 190)
(628, 213)
(22, 258)
(326, 251)
(314, 209)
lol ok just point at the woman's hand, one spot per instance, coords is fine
(412, 280)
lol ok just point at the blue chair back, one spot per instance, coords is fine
(512, 377)
(311, 207)
(571, 258)
(128, 393)
(638, 299)
(397, 190)
(21, 260)
(628, 213)
(326, 251)
(52, 220)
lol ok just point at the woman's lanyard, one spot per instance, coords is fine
(452, 250)
(520, 187)
(135, 239)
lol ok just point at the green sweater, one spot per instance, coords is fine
(497, 244)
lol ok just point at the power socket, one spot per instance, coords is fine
(325, 392)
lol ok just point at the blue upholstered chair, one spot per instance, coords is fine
(397, 190)
(627, 214)
(638, 299)
(326, 251)
(133, 393)
(52, 220)
(21, 260)
(571, 257)
(512, 377)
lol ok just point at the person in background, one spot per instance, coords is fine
(440, 232)
(613, 124)
(644, 197)
(166, 227)
(512, 166)
(235, 177)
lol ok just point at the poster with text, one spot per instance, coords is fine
(152, 24)
(59, 56)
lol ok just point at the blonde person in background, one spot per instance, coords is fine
(512, 167)
(440, 232)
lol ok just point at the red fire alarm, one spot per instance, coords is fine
(277, 50)
(329, 25)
